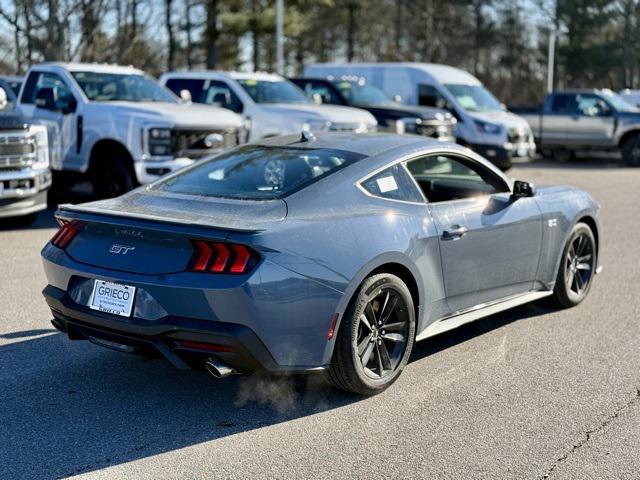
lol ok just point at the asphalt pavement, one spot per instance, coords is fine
(533, 393)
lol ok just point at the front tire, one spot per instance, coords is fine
(577, 267)
(631, 151)
(112, 177)
(375, 338)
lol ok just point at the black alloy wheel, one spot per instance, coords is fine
(577, 267)
(375, 337)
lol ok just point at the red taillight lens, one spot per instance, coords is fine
(219, 257)
(68, 231)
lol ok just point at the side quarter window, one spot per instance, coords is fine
(393, 183)
(444, 178)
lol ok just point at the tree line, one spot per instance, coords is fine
(503, 42)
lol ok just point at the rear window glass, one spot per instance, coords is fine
(259, 173)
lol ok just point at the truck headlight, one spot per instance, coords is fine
(488, 128)
(39, 133)
(159, 142)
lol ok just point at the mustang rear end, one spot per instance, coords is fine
(192, 276)
(186, 292)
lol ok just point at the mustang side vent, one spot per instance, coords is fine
(218, 257)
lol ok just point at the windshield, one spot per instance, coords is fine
(619, 103)
(475, 98)
(118, 87)
(258, 173)
(281, 91)
(362, 94)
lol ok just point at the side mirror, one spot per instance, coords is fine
(3, 98)
(397, 98)
(317, 98)
(523, 189)
(185, 96)
(46, 98)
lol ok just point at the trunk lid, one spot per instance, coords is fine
(144, 232)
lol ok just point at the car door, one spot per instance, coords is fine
(592, 122)
(555, 122)
(59, 120)
(489, 243)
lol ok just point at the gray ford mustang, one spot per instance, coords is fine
(301, 254)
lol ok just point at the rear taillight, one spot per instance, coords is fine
(218, 257)
(67, 232)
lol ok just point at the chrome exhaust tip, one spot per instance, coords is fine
(217, 368)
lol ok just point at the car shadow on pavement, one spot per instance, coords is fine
(477, 328)
(71, 407)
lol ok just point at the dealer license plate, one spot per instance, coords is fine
(112, 298)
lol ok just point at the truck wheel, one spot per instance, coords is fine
(631, 151)
(111, 178)
(563, 155)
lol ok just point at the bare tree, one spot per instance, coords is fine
(171, 42)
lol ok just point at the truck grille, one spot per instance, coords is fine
(17, 150)
(199, 143)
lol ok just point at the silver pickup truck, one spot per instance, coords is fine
(574, 120)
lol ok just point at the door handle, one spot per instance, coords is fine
(454, 232)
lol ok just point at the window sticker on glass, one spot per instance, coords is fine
(387, 184)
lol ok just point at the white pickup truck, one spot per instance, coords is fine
(24, 164)
(269, 104)
(118, 126)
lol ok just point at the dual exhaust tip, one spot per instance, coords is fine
(217, 368)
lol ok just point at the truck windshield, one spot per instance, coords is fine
(258, 172)
(475, 98)
(619, 103)
(119, 87)
(264, 91)
(362, 94)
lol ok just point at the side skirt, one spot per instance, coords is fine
(479, 311)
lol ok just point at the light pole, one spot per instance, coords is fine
(551, 56)
(280, 37)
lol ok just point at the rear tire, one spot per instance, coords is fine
(631, 151)
(112, 177)
(375, 338)
(577, 267)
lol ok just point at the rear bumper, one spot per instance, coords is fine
(237, 345)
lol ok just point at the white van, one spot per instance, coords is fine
(483, 122)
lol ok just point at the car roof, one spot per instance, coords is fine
(572, 91)
(262, 76)
(92, 67)
(440, 73)
(369, 145)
